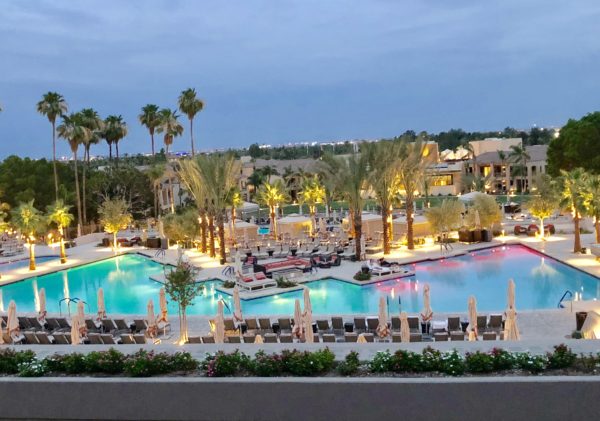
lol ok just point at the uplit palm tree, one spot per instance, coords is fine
(503, 156)
(572, 188)
(28, 220)
(272, 195)
(591, 200)
(149, 118)
(235, 201)
(190, 105)
(53, 105)
(91, 120)
(518, 154)
(115, 129)
(58, 213)
(191, 179)
(312, 194)
(74, 131)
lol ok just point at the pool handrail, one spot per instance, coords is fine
(567, 292)
(69, 301)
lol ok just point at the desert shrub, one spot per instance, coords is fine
(109, 362)
(350, 365)
(381, 362)
(10, 360)
(34, 368)
(479, 362)
(228, 284)
(221, 364)
(307, 363)
(361, 276)
(266, 365)
(452, 363)
(561, 357)
(532, 363)
(145, 364)
(406, 361)
(502, 359)
(431, 359)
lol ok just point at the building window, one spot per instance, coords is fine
(442, 180)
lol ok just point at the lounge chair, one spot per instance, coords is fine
(30, 338)
(24, 323)
(495, 324)
(337, 324)
(416, 337)
(43, 338)
(233, 339)
(372, 323)
(395, 323)
(454, 324)
(7, 338)
(91, 326)
(208, 339)
(265, 324)
(52, 324)
(64, 324)
(457, 336)
(286, 338)
(140, 325)
(94, 339)
(68, 338)
(60, 339)
(139, 338)
(396, 337)
(414, 325)
(360, 325)
(328, 337)
(122, 325)
(489, 336)
(108, 339)
(249, 338)
(482, 323)
(285, 324)
(441, 336)
(350, 337)
(108, 325)
(127, 339)
(323, 325)
(251, 325)
(194, 340)
(270, 338)
(230, 325)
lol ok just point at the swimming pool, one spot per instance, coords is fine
(263, 230)
(23, 263)
(540, 283)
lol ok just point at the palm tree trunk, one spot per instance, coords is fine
(117, 150)
(357, 223)
(63, 254)
(221, 225)
(172, 196)
(577, 243)
(273, 226)
(152, 140)
(31, 254)
(597, 227)
(203, 230)
(86, 158)
(351, 223)
(211, 236)
(542, 232)
(409, 222)
(77, 194)
(155, 200)
(54, 160)
(192, 135)
(387, 246)
(110, 151)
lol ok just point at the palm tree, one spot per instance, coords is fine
(572, 183)
(349, 175)
(156, 174)
(269, 171)
(74, 131)
(504, 161)
(468, 146)
(115, 129)
(28, 220)
(150, 119)
(518, 154)
(271, 195)
(411, 169)
(312, 194)
(95, 124)
(191, 179)
(591, 201)
(235, 201)
(171, 128)
(190, 106)
(53, 105)
(58, 213)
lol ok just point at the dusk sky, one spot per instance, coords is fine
(286, 71)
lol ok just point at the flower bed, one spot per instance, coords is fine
(429, 362)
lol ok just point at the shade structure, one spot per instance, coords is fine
(427, 313)
(421, 227)
(307, 317)
(404, 329)
(361, 339)
(371, 224)
(248, 208)
(297, 329)
(81, 311)
(42, 298)
(237, 304)
(101, 306)
(162, 301)
(294, 225)
(510, 296)
(382, 328)
(219, 332)
(76, 324)
(13, 323)
(511, 330)
(259, 340)
(470, 197)
(241, 230)
(472, 328)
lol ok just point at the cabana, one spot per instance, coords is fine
(371, 224)
(243, 231)
(247, 208)
(294, 225)
(421, 227)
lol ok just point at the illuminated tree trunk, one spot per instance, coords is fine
(211, 235)
(387, 246)
(409, 222)
(63, 254)
(357, 223)
(577, 244)
(31, 254)
(203, 230)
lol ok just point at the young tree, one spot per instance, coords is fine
(58, 214)
(572, 187)
(488, 210)
(545, 203)
(446, 217)
(181, 227)
(114, 216)
(518, 154)
(28, 220)
(181, 285)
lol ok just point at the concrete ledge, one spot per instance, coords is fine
(548, 398)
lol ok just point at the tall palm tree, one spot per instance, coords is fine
(411, 169)
(74, 131)
(171, 128)
(190, 177)
(190, 105)
(312, 194)
(58, 213)
(518, 154)
(53, 105)
(28, 220)
(115, 129)
(572, 188)
(350, 175)
(91, 120)
(468, 146)
(150, 119)
(503, 156)
(235, 201)
(591, 200)
(272, 195)
(156, 174)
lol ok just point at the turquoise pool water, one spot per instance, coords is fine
(540, 283)
(263, 230)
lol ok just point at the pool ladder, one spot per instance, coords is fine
(69, 301)
(567, 293)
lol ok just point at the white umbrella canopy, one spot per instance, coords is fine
(237, 304)
(219, 332)
(472, 328)
(12, 323)
(382, 327)
(162, 301)
(297, 330)
(427, 313)
(511, 330)
(404, 329)
(42, 297)
(76, 323)
(101, 306)
(150, 316)
(81, 311)
(511, 294)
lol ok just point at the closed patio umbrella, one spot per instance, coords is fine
(322, 225)
(511, 329)
(162, 301)
(427, 313)
(404, 329)
(237, 304)
(101, 306)
(151, 319)
(238, 264)
(259, 340)
(308, 328)
(81, 311)
(382, 329)
(297, 330)
(13, 323)
(511, 294)
(219, 332)
(361, 339)
(42, 312)
(472, 328)
(76, 323)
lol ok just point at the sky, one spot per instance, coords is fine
(307, 70)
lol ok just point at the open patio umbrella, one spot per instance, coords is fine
(511, 329)
(42, 312)
(81, 311)
(404, 329)
(297, 330)
(382, 329)
(76, 323)
(219, 332)
(472, 328)
(259, 340)
(162, 301)
(101, 306)
(361, 339)
(427, 313)
(237, 304)
(308, 328)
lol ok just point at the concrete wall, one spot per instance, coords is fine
(547, 398)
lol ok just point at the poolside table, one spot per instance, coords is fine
(349, 327)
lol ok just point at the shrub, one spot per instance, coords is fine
(588, 363)
(361, 276)
(265, 365)
(109, 362)
(452, 363)
(562, 357)
(284, 283)
(10, 360)
(532, 363)
(502, 360)
(33, 368)
(145, 364)
(222, 365)
(228, 284)
(183, 361)
(307, 363)
(350, 365)
(406, 361)
(74, 363)
(381, 362)
(431, 359)
(479, 362)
